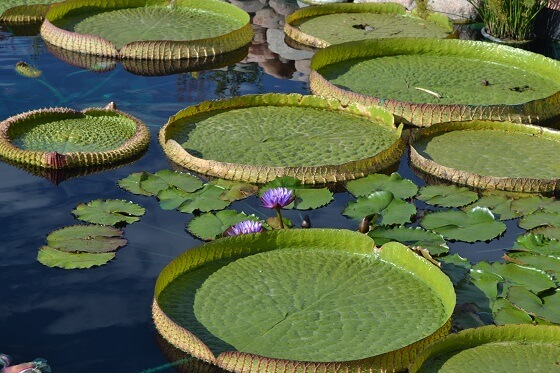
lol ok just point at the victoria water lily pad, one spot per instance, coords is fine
(313, 295)
(157, 29)
(508, 348)
(64, 138)
(257, 138)
(490, 155)
(109, 212)
(466, 80)
(24, 11)
(338, 23)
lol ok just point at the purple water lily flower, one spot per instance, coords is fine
(245, 227)
(277, 198)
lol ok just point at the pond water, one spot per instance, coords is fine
(99, 319)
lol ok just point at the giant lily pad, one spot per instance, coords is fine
(24, 11)
(508, 348)
(257, 138)
(490, 155)
(315, 295)
(425, 81)
(61, 138)
(337, 23)
(157, 29)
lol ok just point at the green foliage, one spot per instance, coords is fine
(447, 195)
(412, 237)
(86, 238)
(306, 197)
(210, 226)
(499, 204)
(382, 207)
(477, 224)
(166, 179)
(234, 190)
(109, 212)
(208, 198)
(401, 188)
(509, 19)
(60, 259)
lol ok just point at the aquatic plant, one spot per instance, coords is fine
(245, 227)
(277, 199)
(509, 19)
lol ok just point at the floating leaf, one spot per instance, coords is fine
(478, 224)
(132, 182)
(164, 179)
(455, 267)
(391, 210)
(109, 212)
(533, 279)
(506, 313)
(203, 200)
(55, 258)
(306, 197)
(431, 241)
(539, 218)
(529, 205)
(209, 226)
(446, 195)
(235, 190)
(401, 188)
(550, 232)
(538, 244)
(86, 238)
(499, 204)
(547, 308)
(549, 264)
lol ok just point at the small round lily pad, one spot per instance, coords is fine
(62, 138)
(466, 80)
(157, 30)
(508, 348)
(337, 23)
(490, 155)
(316, 296)
(256, 138)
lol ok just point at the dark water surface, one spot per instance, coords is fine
(99, 319)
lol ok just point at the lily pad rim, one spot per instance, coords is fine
(393, 253)
(509, 184)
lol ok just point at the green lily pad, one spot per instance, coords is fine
(210, 226)
(158, 30)
(299, 303)
(235, 190)
(337, 23)
(446, 195)
(54, 258)
(507, 348)
(61, 138)
(86, 238)
(389, 210)
(549, 264)
(306, 198)
(490, 155)
(532, 204)
(547, 308)
(131, 183)
(499, 204)
(538, 244)
(431, 241)
(164, 179)
(24, 11)
(109, 212)
(505, 312)
(256, 138)
(478, 224)
(521, 87)
(550, 232)
(206, 199)
(533, 279)
(539, 219)
(394, 183)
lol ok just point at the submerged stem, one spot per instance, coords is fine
(279, 216)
